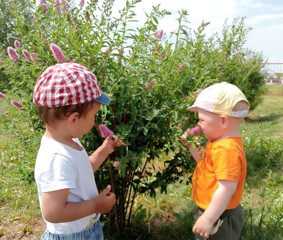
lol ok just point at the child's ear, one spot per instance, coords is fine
(72, 119)
(224, 121)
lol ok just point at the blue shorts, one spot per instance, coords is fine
(94, 232)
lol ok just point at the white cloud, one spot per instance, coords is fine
(257, 5)
(256, 19)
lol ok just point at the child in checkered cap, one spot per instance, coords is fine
(219, 177)
(68, 97)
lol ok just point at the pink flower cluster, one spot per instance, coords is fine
(13, 54)
(81, 4)
(159, 34)
(57, 52)
(27, 55)
(2, 95)
(195, 130)
(148, 86)
(163, 55)
(107, 50)
(180, 67)
(17, 104)
(43, 3)
(33, 57)
(116, 164)
(17, 44)
(105, 132)
(56, 6)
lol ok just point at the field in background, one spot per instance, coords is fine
(165, 216)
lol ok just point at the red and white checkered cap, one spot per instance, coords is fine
(67, 84)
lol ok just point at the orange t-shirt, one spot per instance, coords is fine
(222, 160)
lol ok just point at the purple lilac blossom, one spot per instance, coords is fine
(13, 54)
(17, 104)
(181, 66)
(196, 130)
(2, 95)
(57, 52)
(26, 54)
(64, 6)
(33, 57)
(116, 164)
(17, 44)
(82, 3)
(159, 34)
(148, 86)
(163, 55)
(43, 3)
(57, 6)
(105, 132)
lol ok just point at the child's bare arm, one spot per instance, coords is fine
(217, 206)
(194, 153)
(99, 156)
(56, 209)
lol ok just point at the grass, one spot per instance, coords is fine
(165, 216)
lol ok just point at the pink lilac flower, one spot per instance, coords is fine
(180, 125)
(122, 49)
(148, 86)
(33, 57)
(57, 52)
(105, 132)
(181, 66)
(196, 130)
(82, 2)
(202, 22)
(186, 119)
(13, 54)
(159, 34)
(17, 44)
(163, 55)
(35, 18)
(64, 6)
(43, 3)
(26, 54)
(17, 104)
(107, 50)
(56, 6)
(2, 95)
(116, 164)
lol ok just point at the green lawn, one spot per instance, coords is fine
(166, 216)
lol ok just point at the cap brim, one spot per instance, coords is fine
(192, 108)
(103, 99)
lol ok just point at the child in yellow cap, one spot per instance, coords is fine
(218, 180)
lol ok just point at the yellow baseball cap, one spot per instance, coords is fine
(220, 98)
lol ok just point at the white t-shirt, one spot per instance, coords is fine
(59, 166)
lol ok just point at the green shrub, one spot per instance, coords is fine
(151, 85)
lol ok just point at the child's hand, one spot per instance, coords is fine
(109, 144)
(105, 200)
(203, 227)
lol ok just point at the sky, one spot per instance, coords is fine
(265, 17)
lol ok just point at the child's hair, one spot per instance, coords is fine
(49, 115)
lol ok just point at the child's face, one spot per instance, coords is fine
(210, 124)
(86, 123)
